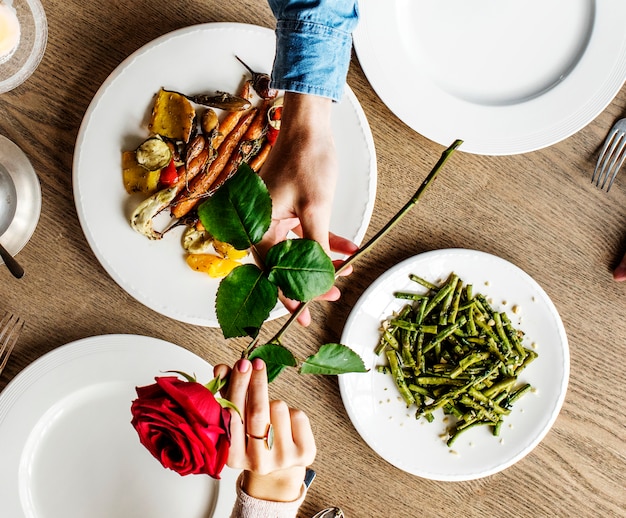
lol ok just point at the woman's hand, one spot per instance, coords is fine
(271, 471)
(619, 274)
(301, 175)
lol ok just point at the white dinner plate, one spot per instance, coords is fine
(68, 449)
(504, 76)
(20, 197)
(417, 446)
(155, 272)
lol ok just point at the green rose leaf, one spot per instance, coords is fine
(240, 211)
(244, 300)
(276, 358)
(333, 359)
(300, 268)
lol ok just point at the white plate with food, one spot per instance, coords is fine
(504, 76)
(417, 446)
(20, 197)
(69, 450)
(155, 272)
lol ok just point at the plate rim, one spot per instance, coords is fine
(558, 402)
(532, 140)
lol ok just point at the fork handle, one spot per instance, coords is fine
(13, 266)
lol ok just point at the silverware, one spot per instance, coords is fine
(330, 512)
(10, 329)
(611, 157)
(13, 266)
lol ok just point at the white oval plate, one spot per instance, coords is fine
(155, 272)
(504, 76)
(20, 197)
(416, 446)
(68, 449)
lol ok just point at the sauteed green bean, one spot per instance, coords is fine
(449, 349)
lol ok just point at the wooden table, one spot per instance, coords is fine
(537, 210)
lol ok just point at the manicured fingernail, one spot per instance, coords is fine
(257, 364)
(619, 274)
(243, 365)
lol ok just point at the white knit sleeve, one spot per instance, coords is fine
(247, 506)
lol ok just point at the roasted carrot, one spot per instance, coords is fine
(231, 119)
(195, 146)
(259, 159)
(201, 184)
(258, 126)
(249, 145)
(186, 173)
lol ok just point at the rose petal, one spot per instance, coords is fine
(183, 426)
(197, 400)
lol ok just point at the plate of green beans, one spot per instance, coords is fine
(468, 365)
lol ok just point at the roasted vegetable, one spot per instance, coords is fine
(228, 251)
(197, 241)
(221, 100)
(259, 159)
(274, 116)
(173, 116)
(211, 264)
(153, 154)
(142, 218)
(169, 175)
(208, 121)
(136, 177)
(450, 350)
(260, 83)
(200, 185)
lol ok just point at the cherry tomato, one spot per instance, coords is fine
(272, 133)
(275, 114)
(169, 174)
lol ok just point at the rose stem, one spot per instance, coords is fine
(382, 232)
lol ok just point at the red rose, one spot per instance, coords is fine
(183, 426)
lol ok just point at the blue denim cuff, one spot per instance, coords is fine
(311, 58)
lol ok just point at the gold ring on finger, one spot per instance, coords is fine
(268, 438)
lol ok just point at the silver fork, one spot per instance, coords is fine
(10, 329)
(611, 157)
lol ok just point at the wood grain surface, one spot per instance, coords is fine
(537, 210)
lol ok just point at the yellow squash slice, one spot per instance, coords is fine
(173, 116)
(136, 177)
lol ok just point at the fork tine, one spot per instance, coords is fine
(604, 160)
(617, 162)
(601, 161)
(609, 159)
(10, 329)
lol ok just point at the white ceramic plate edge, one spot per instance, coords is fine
(349, 388)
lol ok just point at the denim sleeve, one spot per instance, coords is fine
(313, 45)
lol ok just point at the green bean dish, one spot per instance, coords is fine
(449, 349)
